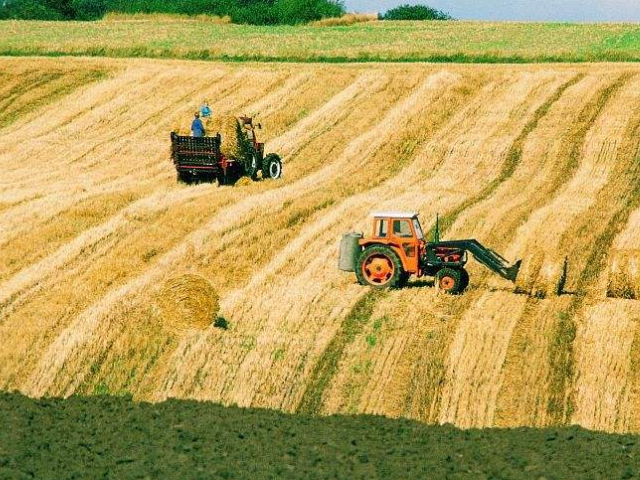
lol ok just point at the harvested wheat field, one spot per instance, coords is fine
(538, 162)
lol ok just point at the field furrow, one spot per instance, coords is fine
(197, 241)
(469, 414)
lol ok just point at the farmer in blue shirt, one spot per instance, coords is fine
(205, 111)
(197, 127)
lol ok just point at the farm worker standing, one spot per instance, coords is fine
(197, 127)
(205, 111)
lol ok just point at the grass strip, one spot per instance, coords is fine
(327, 364)
(361, 57)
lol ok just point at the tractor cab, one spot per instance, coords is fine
(401, 225)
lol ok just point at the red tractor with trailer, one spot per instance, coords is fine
(199, 159)
(397, 249)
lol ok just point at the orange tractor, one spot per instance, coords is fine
(397, 250)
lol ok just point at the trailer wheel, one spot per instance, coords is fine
(449, 281)
(272, 166)
(380, 267)
(184, 177)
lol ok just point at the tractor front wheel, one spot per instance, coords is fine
(380, 267)
(449, 281)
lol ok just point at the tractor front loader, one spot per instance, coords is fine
(397, 250)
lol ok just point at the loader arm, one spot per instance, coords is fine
(487, 257)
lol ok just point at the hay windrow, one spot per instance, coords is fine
(244, 182)
(624, 274)
(542, 274)
(188, 302)
(234, 138)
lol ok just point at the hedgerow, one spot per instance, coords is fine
(255, 12)
(415, 12)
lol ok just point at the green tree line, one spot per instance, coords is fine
(255, 12)
(415, 12)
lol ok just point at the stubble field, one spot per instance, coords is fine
(539, 162)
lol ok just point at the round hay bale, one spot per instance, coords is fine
(542, 275)
(624, 274)
(234, 140)
(189, 302)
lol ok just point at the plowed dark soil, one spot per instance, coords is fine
(116, 438)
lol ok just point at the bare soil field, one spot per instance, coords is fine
(540, 162)
(115, 438)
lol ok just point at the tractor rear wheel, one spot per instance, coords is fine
(449, 281)
(464, 280)
(380, 267)
(272, 167)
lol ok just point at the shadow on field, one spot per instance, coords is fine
(421, 284)
(109, 437)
